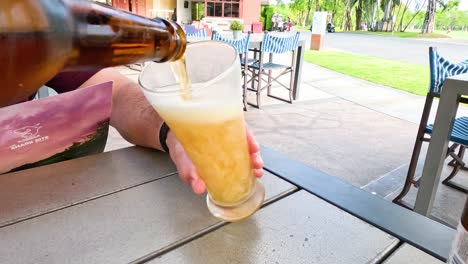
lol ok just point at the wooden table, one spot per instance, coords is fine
(454, 87)
(128, 206)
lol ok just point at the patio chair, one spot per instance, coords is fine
(242, 47)
(189, 29)
(197, 35)
(440, 69)
(260, 69)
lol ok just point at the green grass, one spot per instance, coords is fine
(403, 76)
(454, 34)
(417, 34)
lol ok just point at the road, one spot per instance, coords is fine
(401, 49)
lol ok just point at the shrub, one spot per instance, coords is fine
(236, 25)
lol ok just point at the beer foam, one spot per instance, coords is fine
(200, 112)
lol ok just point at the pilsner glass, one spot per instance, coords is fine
(208, 120)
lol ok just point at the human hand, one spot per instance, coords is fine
(187, 171)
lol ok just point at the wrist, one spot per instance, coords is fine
(171, 141)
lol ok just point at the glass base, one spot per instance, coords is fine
(241, 211)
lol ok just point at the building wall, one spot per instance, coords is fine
(161, 8)
(184, 15)
(251, 12)
(148, 8)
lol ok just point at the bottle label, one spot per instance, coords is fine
(459, 254)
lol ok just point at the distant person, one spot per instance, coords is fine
(174, 15)
(274, 21)
(290, 24)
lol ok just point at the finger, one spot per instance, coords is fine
(257, 160)
(198, 186)
(252, 143)
(185, 173)
(258, 173)
(191, 177)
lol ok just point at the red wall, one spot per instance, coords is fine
(121, 4)
(138, 6)
(251, 11)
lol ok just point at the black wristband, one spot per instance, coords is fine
(163, 136)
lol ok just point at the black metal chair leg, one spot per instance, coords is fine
(457, 165)
(411, 171)
(269, 83)
(291, 84)
(416, 151)
(259, 88)
(244, 88)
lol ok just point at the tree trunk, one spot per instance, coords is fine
(317, 5)
(375, 15)
(428, 26)
(333, 13)
(358, 14)
(349, 22)
(309, 6)
(346, 15)
(388, 11)
(415, 14)
(400, 26)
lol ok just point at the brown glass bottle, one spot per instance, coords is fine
(39, 38)
(459, 252)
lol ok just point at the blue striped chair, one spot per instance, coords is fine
(260, 69)
(440, 69)
(197, 35)
(242, 47)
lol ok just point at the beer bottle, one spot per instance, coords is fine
(39, 38)
(459, 252)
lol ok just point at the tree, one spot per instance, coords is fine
(429, 20)
(309, 7)
(346, 22)
(359, 14)
(299, 7)
(428, 26)
(375, 15)
(419, 8)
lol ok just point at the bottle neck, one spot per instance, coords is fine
(106, 37)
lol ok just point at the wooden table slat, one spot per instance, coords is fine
(118, 228)
(28, 193)
(409, 254)
(408, 226)
(300, 228)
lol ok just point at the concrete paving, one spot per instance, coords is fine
(355, 130)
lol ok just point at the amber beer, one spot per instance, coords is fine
(217, 145)
(39, 38)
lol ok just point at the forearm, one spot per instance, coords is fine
(132, 115)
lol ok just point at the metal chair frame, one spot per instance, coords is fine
(242, 47)
(259, 74)
(457, 158)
